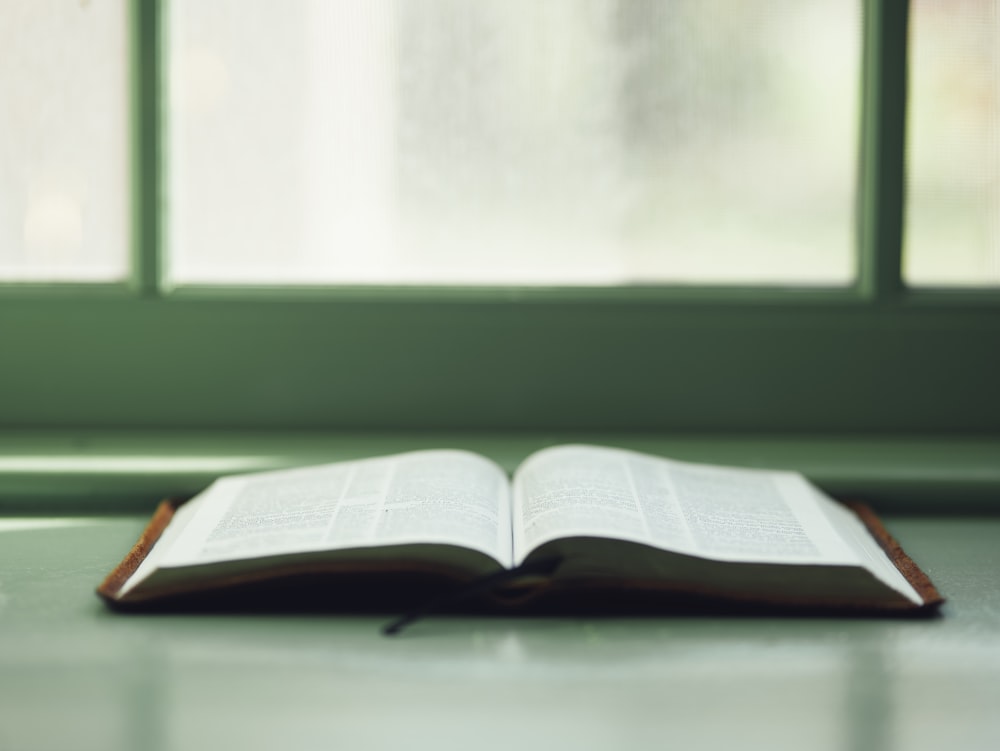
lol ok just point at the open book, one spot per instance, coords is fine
(577, 526)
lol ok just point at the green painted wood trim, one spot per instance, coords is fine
(113, 471)
(881, 192)
(145, 93)
(162, 363)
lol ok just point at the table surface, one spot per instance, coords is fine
(74, 675)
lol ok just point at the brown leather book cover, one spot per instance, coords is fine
(907, 567)
(393, 589)
(114, 581)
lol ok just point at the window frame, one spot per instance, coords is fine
(873, 357)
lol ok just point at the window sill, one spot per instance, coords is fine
(85, 472)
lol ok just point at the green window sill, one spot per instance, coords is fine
(84, 472)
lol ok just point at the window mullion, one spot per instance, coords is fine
(145, 84)
(881, 193)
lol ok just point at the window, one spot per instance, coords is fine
(498, 142)
(64, 119)
(828, 355)
(953, 191)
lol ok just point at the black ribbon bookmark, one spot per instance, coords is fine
(537, 567)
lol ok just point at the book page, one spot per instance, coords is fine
(573, 491)
(721, 513)
(433, 497)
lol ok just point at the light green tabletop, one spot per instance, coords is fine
(76, 676)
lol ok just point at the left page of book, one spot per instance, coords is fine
(440, 497)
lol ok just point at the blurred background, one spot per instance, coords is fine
(495, 142)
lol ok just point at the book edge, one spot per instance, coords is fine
(918, 579)
(111, 587)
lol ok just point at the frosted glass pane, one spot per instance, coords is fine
(953, 154)
(523, 142)
(63, 140)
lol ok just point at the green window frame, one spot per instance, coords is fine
(875, 357)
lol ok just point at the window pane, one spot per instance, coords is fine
(953, 156)
(63, 140)
(500, 141)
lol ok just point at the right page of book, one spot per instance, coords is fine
(720, 513)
